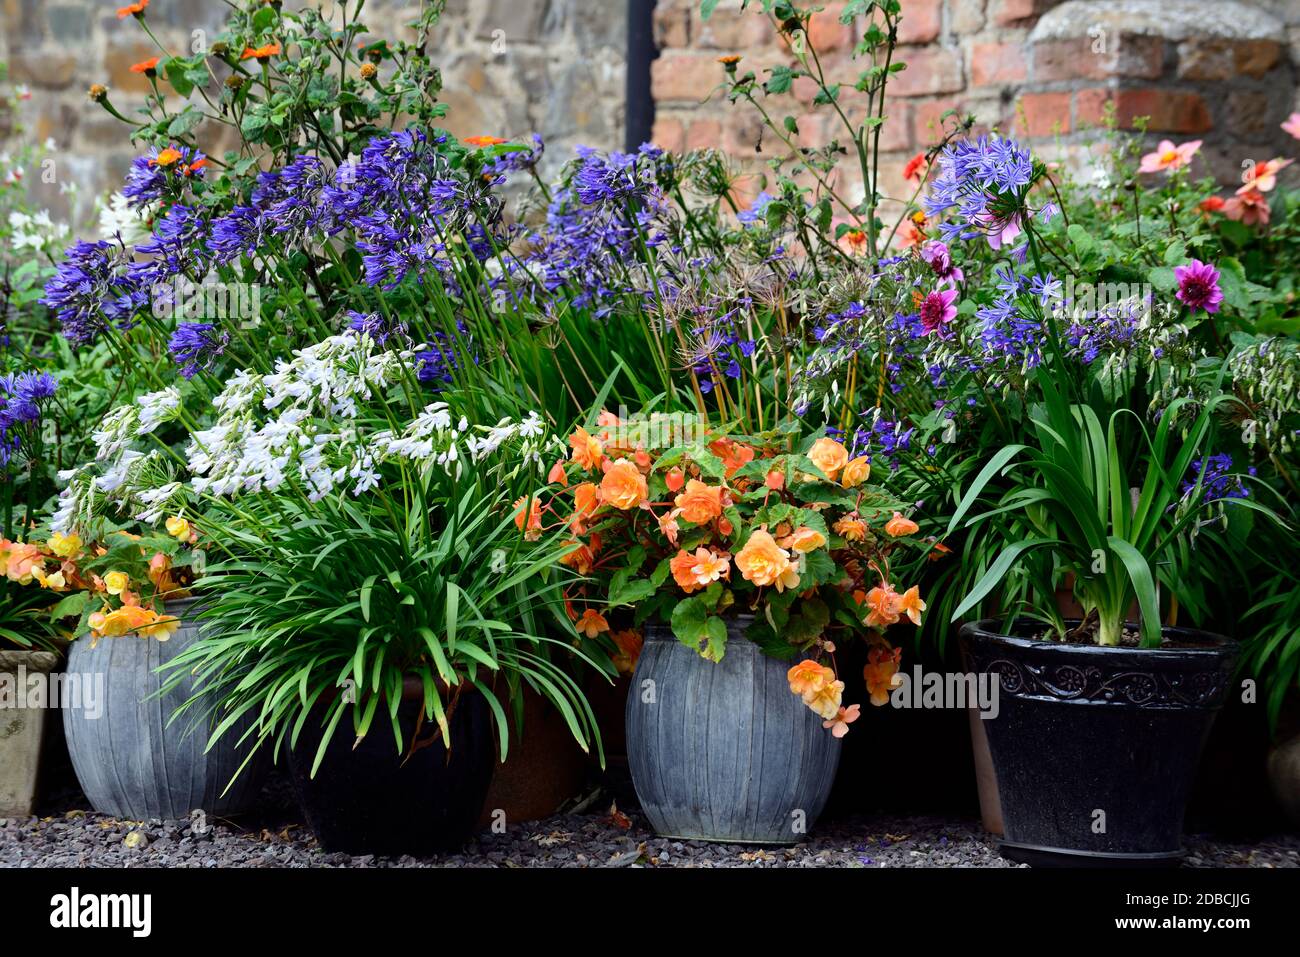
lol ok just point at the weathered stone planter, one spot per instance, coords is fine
(724, 752)
(22, 729)
(130, 761)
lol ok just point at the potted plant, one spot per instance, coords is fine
(134, 612)
(1101, 721)
(746, 559)
(372, 609)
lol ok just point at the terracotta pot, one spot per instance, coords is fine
(22, 729)
(986, 778)
(1284, 776)
(544, 767)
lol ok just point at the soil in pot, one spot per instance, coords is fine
(723, 751)
(370, 799)
(1096, 749)
(132, 760)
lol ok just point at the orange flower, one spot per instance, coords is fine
(731, 59)
(881, 673)
(166, 157)
(851, 529)
(829, 455)
(557, 476)
(775, 480)
(262, 52)
(854, 241)
(580, 559)
(817, 686)
(145, 66)
(899, 526)
(700, 503)
(764, 562)
(915, 166)
(804, 539)
(483, 140)
(160, 572)
(1262, 176)
(734, 455)
(623, 485)
(939, 551)
(669, 528)
(839, 725)
(629, 644)
(134, 9)
(1250, 208)
(591, 624)
(21, 561)
(911, 604)
(694, 572)
(856, 471)
(885, 606)
(674, 479)
(585, 499)
(534, 517)
(587, 451)
(1211, 204)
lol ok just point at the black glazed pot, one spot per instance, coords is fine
(1095, 749)
(369, 800)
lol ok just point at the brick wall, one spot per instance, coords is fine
(1043, 69)
(511, 67)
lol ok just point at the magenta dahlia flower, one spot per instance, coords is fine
(937, 310)
(1198, 286)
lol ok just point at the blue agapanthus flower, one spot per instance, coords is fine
(196, 345)
(22, 397)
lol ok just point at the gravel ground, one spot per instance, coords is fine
(67, 836)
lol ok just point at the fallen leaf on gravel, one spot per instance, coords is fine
(136, 840)
(897, 837)
(618, 818)
(757, 856)
(72, 815)
(550, 840)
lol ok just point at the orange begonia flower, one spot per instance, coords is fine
(856, 471)
(764, 562)
(851, 529)
(829, 455)
(899, 526)
(881, 673)
(885, 606)
(623, 486)
(700, 503)
(839, 725)
(533, 531)
(591, 624)
(912, 605)
(587, 451)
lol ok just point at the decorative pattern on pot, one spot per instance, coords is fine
(1096, 748)
(723, 751)
(130, 761)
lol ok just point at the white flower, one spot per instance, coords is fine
(157, 408)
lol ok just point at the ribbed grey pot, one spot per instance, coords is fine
(725, 752)
(131, 763)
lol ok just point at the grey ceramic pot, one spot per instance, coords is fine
(725, 752)
(130, 761)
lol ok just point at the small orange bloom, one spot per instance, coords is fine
(899, 526)
(829, 455)
(915, 166)
(581, 559)
(817, 686)
(145, 66)
(674, 479)
(591, 624)
(1211, 204)
(731, 59)
(586, 497)
(881, 673)
(839, 725)
(804, 539)
(775, 480)
(764, 562)
(629, 644)
(856, 471)
(134, 9)
(534, 517)
(700, 503)
(694, 572)
(885, 606)
(940, 550)
(261, 53)
(851, 529)
(734, 455)
(854, 241)
(587, 451)
(623, 486)
(167, 157)
(557, 476)
(912, 605)
(483, 140)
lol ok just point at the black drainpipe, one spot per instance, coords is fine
(640, 108)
